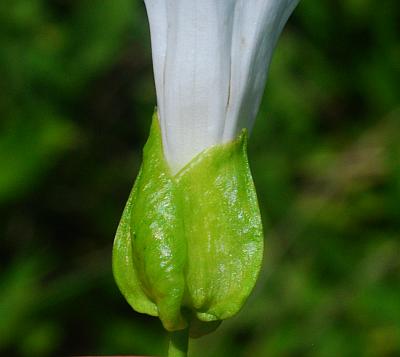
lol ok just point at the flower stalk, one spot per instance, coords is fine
(179, 343)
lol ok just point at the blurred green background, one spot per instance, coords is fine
(76, 99)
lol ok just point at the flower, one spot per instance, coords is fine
(210, 65)
(189, 245)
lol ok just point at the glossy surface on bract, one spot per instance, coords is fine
(189, 247)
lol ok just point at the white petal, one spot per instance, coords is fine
(157, 14)
(257, 26)
(197, 76)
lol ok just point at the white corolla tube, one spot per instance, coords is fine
(211, 59)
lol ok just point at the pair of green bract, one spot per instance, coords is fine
(189, 246)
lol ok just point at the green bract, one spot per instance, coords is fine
(189, 246)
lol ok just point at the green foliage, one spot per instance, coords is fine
(76, 95)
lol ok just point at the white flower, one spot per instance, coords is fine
(210, 64)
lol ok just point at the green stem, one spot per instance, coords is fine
(178, 343)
